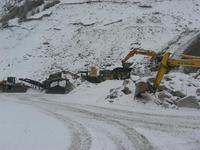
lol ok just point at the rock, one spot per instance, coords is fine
(165, 105)
(45, 43)
(170, 101)
(126, 91)
(162, 88)
(198, 92)
(113, 94)
(129, 86)
(21, 11)
(51, 4)
(189, 102)
(126, 82)
(178, 94)
(141, 87)
(168, 78)
(144, 6)
(164, 96)
(140, 21)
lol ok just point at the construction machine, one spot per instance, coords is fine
(57, 83)
(156, 57)
(95, 75)
(166, 64)
(135, 51)
(12, 86)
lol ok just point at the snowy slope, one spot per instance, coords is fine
(76, 36)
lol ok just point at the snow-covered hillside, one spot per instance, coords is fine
(76, 34)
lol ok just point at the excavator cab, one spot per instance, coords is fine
(11, 80)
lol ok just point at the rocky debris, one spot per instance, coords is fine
(21, 11)
(178, 94)
(28, 8)
(126, 91)
(140, 21)
(144, 6)
(129, 86)
(113, 94)
(51, 4)
(189, 102)
(141, 87)
(168, 78)
(155, 19)
(83, 24)
(162, 88)
(198, 92)
(163, 96)
(166, 105)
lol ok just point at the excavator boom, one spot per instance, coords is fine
(136, 51)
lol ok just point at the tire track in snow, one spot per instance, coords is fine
(137, 140)
(81, 138)
(123, 120)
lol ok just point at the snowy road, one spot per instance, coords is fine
(96, 127)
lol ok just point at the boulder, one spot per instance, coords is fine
(162, 88)
(178, 94)
(129, 86)
(165, 105)
(198, 92)
(189, 102)
(113, 94)
(141, 87)
(126, 91)
(164, 96)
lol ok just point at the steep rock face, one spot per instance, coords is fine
(194, 47)
(22, 8)
(21, 11)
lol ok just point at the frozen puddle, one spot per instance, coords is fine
(24, 127)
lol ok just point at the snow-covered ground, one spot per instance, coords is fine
(24, 127)
(93, 123)
(74, 35)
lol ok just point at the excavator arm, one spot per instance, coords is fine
(163, 68)
(135, 51)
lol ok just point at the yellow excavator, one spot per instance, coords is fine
(154, 56)
(166, 64)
